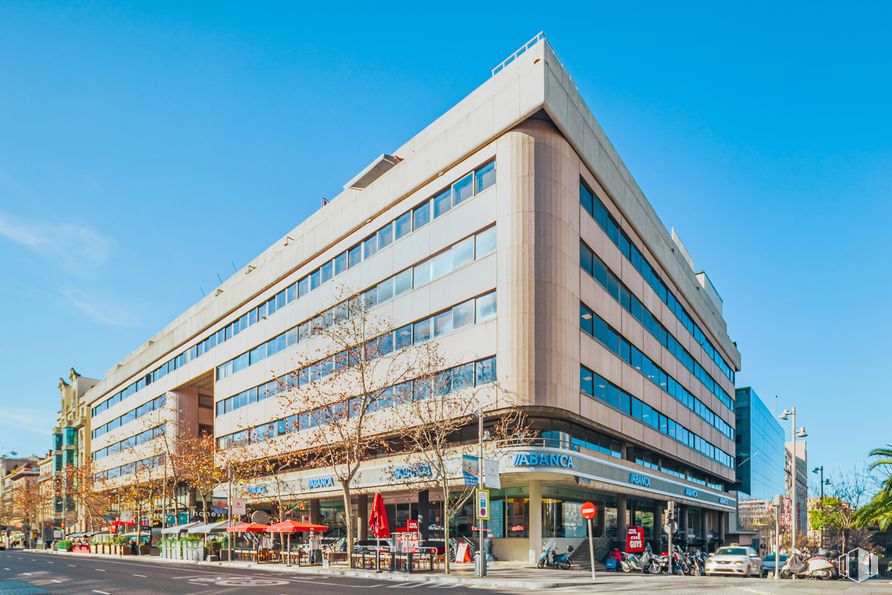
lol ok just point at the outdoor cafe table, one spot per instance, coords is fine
(395, 561)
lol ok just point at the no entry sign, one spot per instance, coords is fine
(588, 510)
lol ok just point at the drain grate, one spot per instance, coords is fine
(20, 588)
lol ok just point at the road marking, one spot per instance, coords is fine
(48, 562)
(98, 570)
(140, 575)
(102, 592)
(55, 581)
(406, 586)
(6, 569)
(27, 573)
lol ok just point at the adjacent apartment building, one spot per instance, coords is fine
(510, 232)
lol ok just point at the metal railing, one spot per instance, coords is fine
(536, 39)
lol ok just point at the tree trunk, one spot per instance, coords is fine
(138, 528)
(348, 517)
(204, 506)
(446, 560)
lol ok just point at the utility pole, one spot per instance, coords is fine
(816, 470)
(778, 501)
(229, 509)
(794, 513)
(670, 528)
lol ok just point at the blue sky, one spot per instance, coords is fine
(147, 147)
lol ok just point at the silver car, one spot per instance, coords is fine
(734, 559)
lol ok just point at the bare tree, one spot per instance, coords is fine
(354, 361)
(439, 404)
(196, 465)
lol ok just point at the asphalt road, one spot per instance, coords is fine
(31, 572)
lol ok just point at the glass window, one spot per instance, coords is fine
(354, 255)
(463, 314)
(385, 290)
(463, 252)
(463, 376)
(422, 273)
(485, 176)
(369, 246)
(326, 272)
(442, 323)
(486, 371)
(421, 215)
(340, 263)
(422, 331)
(463, 189)
(403, 225)
(586, 381)
(486, 242)
(315, 281)
(385, 236)
(486, 306)
(402, 282)
(441, 264)
(442, 202)
(403, 336)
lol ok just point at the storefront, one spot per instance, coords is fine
(542, 491)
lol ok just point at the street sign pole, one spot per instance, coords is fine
(671, 515)
(591, 548)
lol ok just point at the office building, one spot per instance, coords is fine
(510, 233)
(801, 472)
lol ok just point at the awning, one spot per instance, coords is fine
(178, 528)
(208, 528)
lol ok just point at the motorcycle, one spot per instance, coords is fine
(551, 559)
(801, 565)
(646, 563)
(697, 563)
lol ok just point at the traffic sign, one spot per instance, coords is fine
(483, 505)
(588, 510)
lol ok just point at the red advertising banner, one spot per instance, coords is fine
(635, 540)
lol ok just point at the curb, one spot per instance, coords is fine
(503, 583)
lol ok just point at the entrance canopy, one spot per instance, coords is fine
(208, 528)
(296, 527)
(178, 528)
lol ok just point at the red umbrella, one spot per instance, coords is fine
(296, 527)
(378, 518)
(247, 528)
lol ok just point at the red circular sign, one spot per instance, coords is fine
(588, 510)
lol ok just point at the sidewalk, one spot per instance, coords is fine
(517, 576)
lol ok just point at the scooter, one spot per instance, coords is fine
(551, 559)
(814, 567)
(697, 563)
(647, 563)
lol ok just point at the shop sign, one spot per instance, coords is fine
(256, 490)
(239, 506)
(413, 472)
(638, 479)
(534, 459)
(469, 467)
(482, 505)
(691, 492)
(321, 482)
(635, 539)
(724, 501)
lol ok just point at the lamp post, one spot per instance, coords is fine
(800, 433)
(823, 483)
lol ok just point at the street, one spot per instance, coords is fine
(24, 572)
(47, 573)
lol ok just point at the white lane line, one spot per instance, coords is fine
(72, 565)
(26, 573)
(101, 592)
(98, 570)
(55, 581)
(48, 562)
(140, 575)
(6, 569)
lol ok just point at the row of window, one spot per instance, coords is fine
(593, 205)
(130, 468)
(600, 388)
(598, 270)
(129, 442)
(134, 414)
(467, 250)
(467, 187)
(596, 327)
(473, 311)
(477, 373)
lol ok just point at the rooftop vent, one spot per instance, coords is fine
(374, 170)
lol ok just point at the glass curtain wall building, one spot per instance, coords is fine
(510, 234)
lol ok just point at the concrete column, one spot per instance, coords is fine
(535, 508)
(362, 504)
(621, 525)
(659, 507)
(424, 513)
(315, 515)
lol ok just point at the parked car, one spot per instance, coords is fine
(768, 563)
(734, 559)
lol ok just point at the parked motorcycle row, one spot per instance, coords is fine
(819, 565)
(649, 563)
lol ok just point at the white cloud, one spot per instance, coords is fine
(76, 249)
(102, 309)
(32, 421)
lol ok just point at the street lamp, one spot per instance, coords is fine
(800, 433)
(823, 483)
